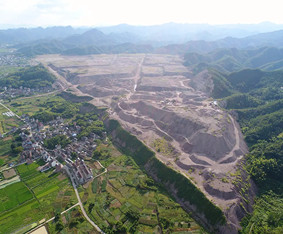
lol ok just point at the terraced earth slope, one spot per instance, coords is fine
(151, 96)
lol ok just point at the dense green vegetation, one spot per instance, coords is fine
(259, 84)
(132, 146)
(55, 108)
(89, 123)
(222, 87)
(162, 146)
(186, 190)
(61, 140)
(257, 99)
(267, 216)
(241, 100)
(232, 59)
(30, 77)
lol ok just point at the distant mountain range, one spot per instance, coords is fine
(274, 39)
(168, 38)
(163, 34)
(180, 33)
(23, 35)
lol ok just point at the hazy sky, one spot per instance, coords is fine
(137, 12)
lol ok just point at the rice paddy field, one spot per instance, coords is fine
(38, 196)
(127, 197)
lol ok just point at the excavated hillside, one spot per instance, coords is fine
(152, 97)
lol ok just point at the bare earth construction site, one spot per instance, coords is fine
(151, 96)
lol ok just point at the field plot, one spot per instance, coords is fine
(9, 173)
(101, 76)
(7, 120)
(152, 71)
(31, 105)
(88, 68)
(5, 147)
(13, 196)
(38, 196)
(73, 221)
(127, 196)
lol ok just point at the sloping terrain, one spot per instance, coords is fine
(151, 96)
(232, 59)
(255, 97)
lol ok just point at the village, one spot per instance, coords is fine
(9, 92)
(68, 159)
(10, 59)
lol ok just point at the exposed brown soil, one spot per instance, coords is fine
(9, 173)
(155, 96)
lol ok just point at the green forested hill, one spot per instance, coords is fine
(232, 59)
(31, 77)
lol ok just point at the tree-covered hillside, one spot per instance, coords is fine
(31, 77)
(233, 59)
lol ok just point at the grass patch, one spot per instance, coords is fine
(162, 146)
(14, 195)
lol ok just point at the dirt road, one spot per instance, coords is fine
(136, 78)
(81, 205)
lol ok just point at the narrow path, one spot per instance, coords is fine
(83, 210)
(105, 170)
(62, 212)
(42, 95)
(64, 83)
(136, 78)
(80, 202)
(49, 220)
(237, 143)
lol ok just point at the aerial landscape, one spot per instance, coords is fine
(112, 122)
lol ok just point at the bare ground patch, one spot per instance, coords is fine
(9, 173)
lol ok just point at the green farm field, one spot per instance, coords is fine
(13, 196)
(5, 147)
(30, 105)
(127, 197)
(43, 195)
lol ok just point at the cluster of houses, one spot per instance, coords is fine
(8, 59)
(9, 92)
(33, 135)
(79, 171)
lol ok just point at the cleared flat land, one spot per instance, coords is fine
(151, 96)
(9, 173)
